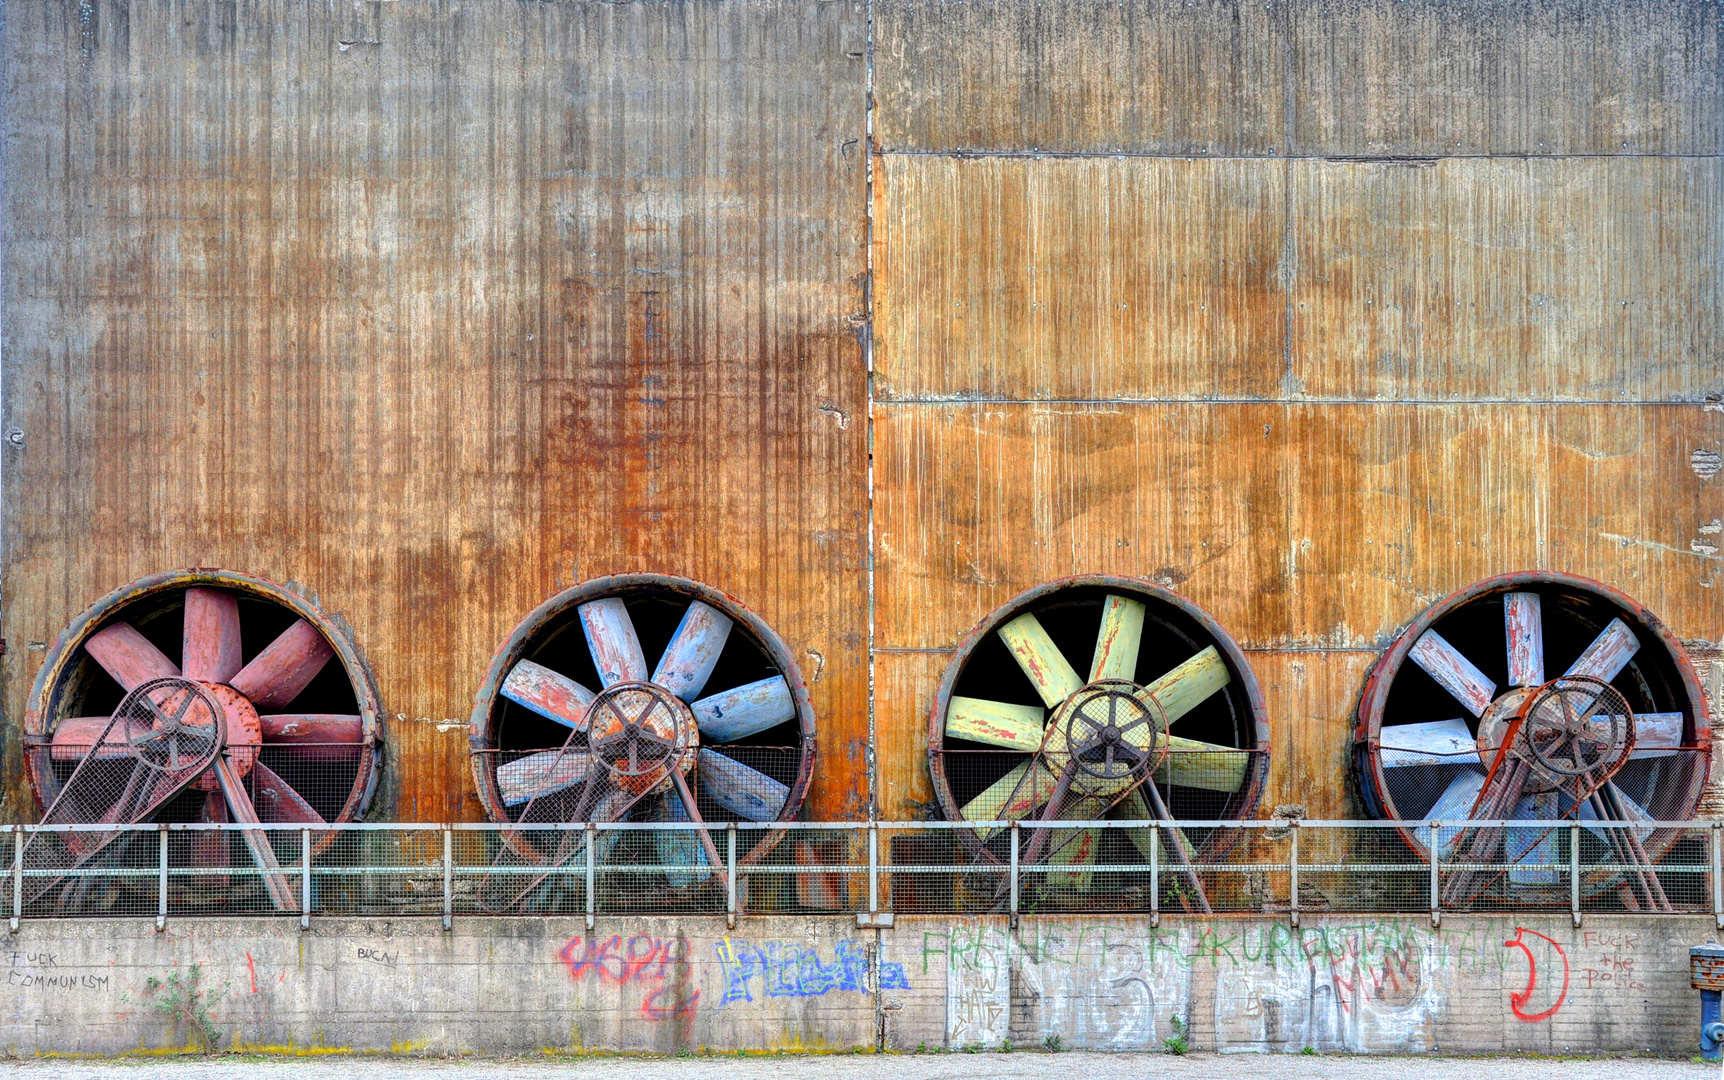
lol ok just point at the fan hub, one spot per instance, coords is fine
(1110, 732)
(637, 729)
(243, 734)
(169, 723)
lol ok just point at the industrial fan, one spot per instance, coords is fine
(1574, 703)
(573, 724)
(1166, 723)
(194, 696)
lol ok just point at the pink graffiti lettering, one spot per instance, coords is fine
(658, 966)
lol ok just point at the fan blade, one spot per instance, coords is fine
(128, 656)
(286, 666)
(1194, 764)
(1453, 672)
(525, 779)
(744, 791)
(996, 723)
(1011, 797)
(693, 651)
(1075, 847)
(1117, 642)
(276, 801)
(1608, 654)
(681, 847)
(314, 736)
(1455, 804)
(1188, 685)
(1041, 659)
(745, 710)
(612, 640)
(76, 735)
(256, 840)
(1439, 742)
(1656, 734)
(552, 695)
(1524, 626)
(210, 650)
(1525, 849)
(1633, 810)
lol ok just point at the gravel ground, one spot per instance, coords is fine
(1019, 1066)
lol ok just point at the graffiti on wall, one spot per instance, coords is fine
(1526, 1003)
(657, 967)
(778, 969)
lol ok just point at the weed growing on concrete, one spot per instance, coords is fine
(1053, 1044)
(185, 1003)
(1176, 1043)
(921, 1048)
(972, 1048)
(1309, 1051)
(1006, 1047)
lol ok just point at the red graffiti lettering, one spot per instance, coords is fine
(659, 966)
(1518, 1000)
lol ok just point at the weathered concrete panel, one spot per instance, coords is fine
(1098, 279)
(438, 308)
(1336, 78)
(1297, 526)
(1361, 984)
(1143, 75)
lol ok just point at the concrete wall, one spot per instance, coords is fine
(1387, 984)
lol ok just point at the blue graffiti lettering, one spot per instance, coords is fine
(789, 969)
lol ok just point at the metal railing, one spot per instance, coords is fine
(876, 870)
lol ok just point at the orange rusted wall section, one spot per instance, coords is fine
(1312, 311)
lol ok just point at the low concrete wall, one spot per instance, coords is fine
(665, 984)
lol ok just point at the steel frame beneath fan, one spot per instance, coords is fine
(1106, 737)
(640, 744)
(113, 776)
(1617, 647)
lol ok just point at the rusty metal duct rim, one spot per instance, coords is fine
(1220, 840)
(44, 700)
(1374, 698)
(480, 740)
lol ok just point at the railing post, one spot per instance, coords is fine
(1717, 876)
(1436, 849)
(730, 874)
(1574, 871)
(1293, 870)
(592, 874)
(1012, 873)
(448, 878)
(1155, 876)
(305, 879)
(873, 867)
(18, 873)
(162, 881)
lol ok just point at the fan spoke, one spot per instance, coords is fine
(1134, 807)
(1453, 672)
(285, 667)
(1608, 654)
(536, 775)
(76, 735)
(745, 710)
(211, 848)
(256, 840)
(996, 723)
(128, 656)
(1524, 626)
(681, 847)
(1075, 847)
(1526, 849)
(1632, 810)
(1193, 764)
(552, 695)
(1117, 642)
(1439, 742)
(1041, 659)
(276, 800)
(1456, 802)
(1188, 685)
(210, 649)
(612, 640)
(744, 791)
(693, 651)
(314, 736)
